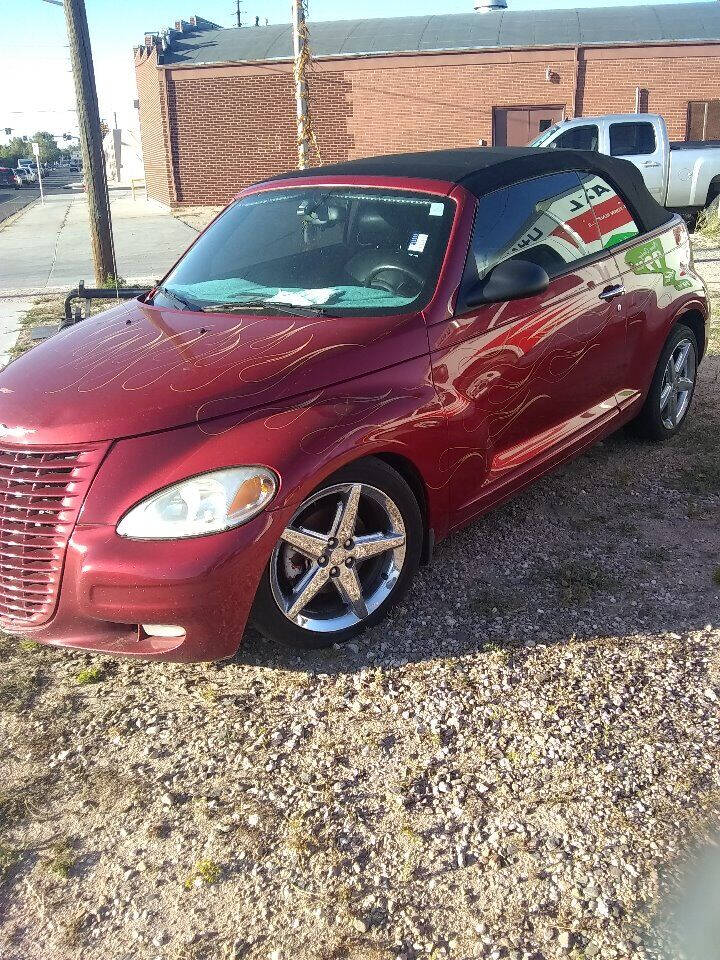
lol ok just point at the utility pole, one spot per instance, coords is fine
(88, 116)
(302, 55)
(238, 13)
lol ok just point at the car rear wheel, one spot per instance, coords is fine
(672, 388)
(347, 555)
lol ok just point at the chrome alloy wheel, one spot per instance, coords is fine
(328, 581)
(678, 384)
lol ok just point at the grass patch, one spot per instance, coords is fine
(489, 601)
(578, 580)
(716, 576)
(17, 803)
(45, 310)
(714, 326)
(14, 806)
(299, 839)
(708, 224)
(205, 872)
(698, 474)
(73, 929)
(90, 675)
(62, 859)
(9, 859)
(18, 689)
(49, 310)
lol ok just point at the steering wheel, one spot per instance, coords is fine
(373, 280)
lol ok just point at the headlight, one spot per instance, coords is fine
(208, 503)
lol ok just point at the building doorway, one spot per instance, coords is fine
(517, 126)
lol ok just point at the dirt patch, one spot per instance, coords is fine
(197, 217)
(522, 763)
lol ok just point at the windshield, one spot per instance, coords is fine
(545, 135)
(338, 250)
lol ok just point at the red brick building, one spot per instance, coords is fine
(217, 107)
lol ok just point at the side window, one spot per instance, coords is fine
(632, 139)
(614, 220)
(547, 220)
(578, 138)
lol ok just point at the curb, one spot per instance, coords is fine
(18, 214)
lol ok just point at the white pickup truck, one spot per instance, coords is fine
(681, 176)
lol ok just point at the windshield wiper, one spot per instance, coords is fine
(178, 299)
(293, 310)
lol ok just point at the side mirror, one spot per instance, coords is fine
(509, 280)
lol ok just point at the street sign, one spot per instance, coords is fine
(36, 151)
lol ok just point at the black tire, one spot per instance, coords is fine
(271, 621)
(650, 423)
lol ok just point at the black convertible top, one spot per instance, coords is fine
(484, 169)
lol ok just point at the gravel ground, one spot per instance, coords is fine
(522, 763)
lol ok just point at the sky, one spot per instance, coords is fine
(36, 89)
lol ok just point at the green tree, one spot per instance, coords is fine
(18, 147)
(49, 151)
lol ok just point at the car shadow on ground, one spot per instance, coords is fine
(619, 544)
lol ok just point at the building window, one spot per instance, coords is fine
(703, 120)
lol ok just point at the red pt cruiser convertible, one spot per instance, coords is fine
(348, 364)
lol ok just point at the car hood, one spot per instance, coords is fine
(137, 369)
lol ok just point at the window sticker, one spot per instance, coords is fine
(417, 242)
(437, 209)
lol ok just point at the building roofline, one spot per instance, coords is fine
(452, 51)
(201, 42)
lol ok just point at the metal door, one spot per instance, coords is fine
(517, 126)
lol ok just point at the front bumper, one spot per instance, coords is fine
(206, 585)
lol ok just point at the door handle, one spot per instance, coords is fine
(609, 293)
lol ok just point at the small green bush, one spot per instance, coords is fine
(89, 675)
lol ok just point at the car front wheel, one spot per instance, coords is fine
(672, 388)
(346, 556)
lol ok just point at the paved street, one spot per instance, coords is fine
(11, 200)
(48, 247)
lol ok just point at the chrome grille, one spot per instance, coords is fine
(41, 492)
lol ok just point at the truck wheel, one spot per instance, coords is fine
(672, 387)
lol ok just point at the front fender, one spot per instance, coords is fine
(303, 440)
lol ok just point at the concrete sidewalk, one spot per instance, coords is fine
(11, 315)
(47, 248)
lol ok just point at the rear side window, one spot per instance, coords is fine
(547, 220)
(632, 139)
(614, 219)
(578, 138)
